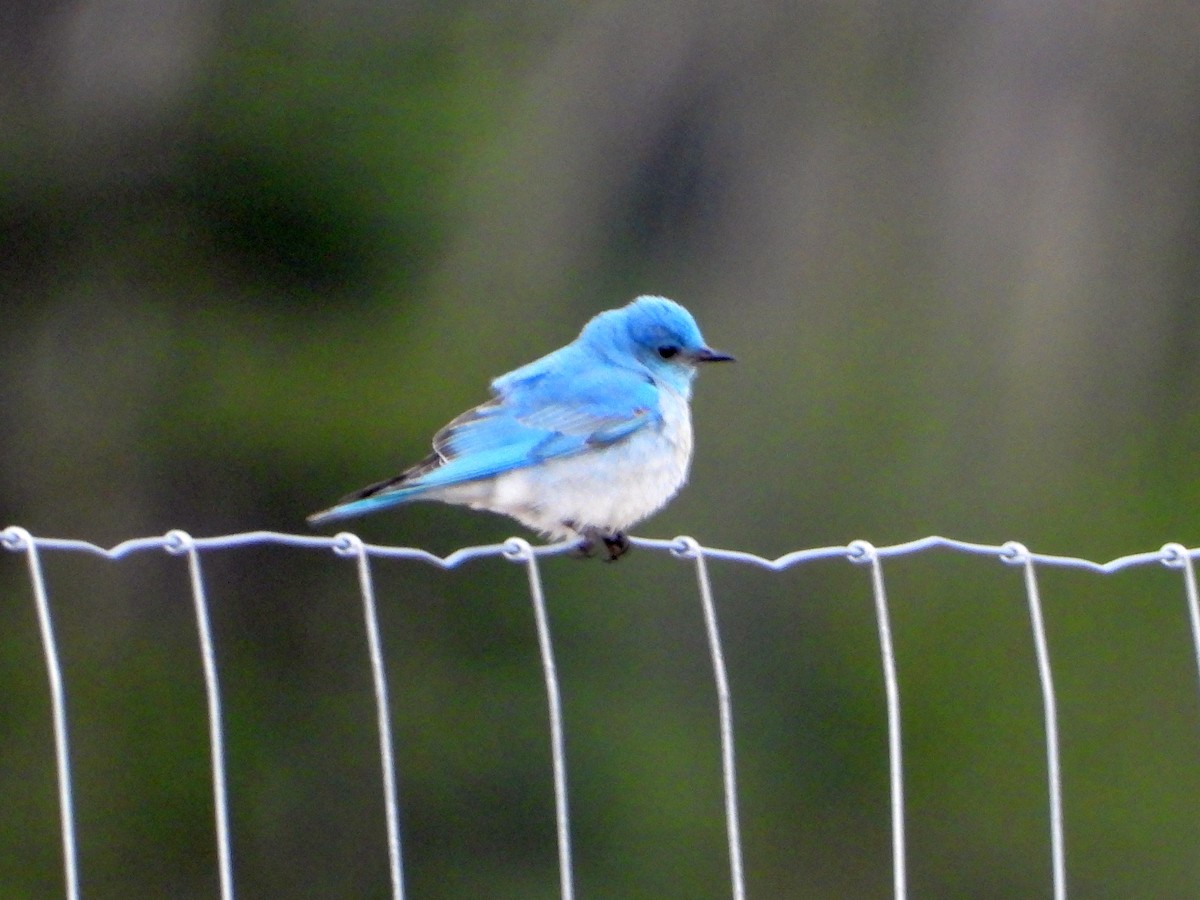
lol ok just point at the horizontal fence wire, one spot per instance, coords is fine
(178, 543)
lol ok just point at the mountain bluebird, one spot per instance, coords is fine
(582, 443)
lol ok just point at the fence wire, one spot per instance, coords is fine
(20, 541)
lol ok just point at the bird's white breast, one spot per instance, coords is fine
(608, 489)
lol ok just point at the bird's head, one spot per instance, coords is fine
(663, 337)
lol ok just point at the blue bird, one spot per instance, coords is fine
(583, 443)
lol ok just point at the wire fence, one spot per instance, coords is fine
(17, 540)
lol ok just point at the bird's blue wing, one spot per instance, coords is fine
(561, 405)
(549, 415)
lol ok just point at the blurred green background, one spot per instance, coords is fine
(253, 254)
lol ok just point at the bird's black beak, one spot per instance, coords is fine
(708, 354)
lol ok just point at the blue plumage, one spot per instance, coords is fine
(585, 441)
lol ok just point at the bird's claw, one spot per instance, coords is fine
(616, 543)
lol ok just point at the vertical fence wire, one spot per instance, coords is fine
(1177, 556)
(19, 538)
(387, 757)
(725, 716)
(1018, 555)
(864, 553)
(519, 550)
(180, 542)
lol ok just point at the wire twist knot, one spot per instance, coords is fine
(177, 542)
(861, 552)
(16, 538)
(517, 549)
(686, 547)
(1014, 553)
(346, 543)
(1174, 555)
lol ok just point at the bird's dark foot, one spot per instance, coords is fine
(615, 542)
(617, 545)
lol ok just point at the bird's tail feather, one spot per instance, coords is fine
(358, 505)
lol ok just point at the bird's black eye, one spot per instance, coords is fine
(667, 351)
